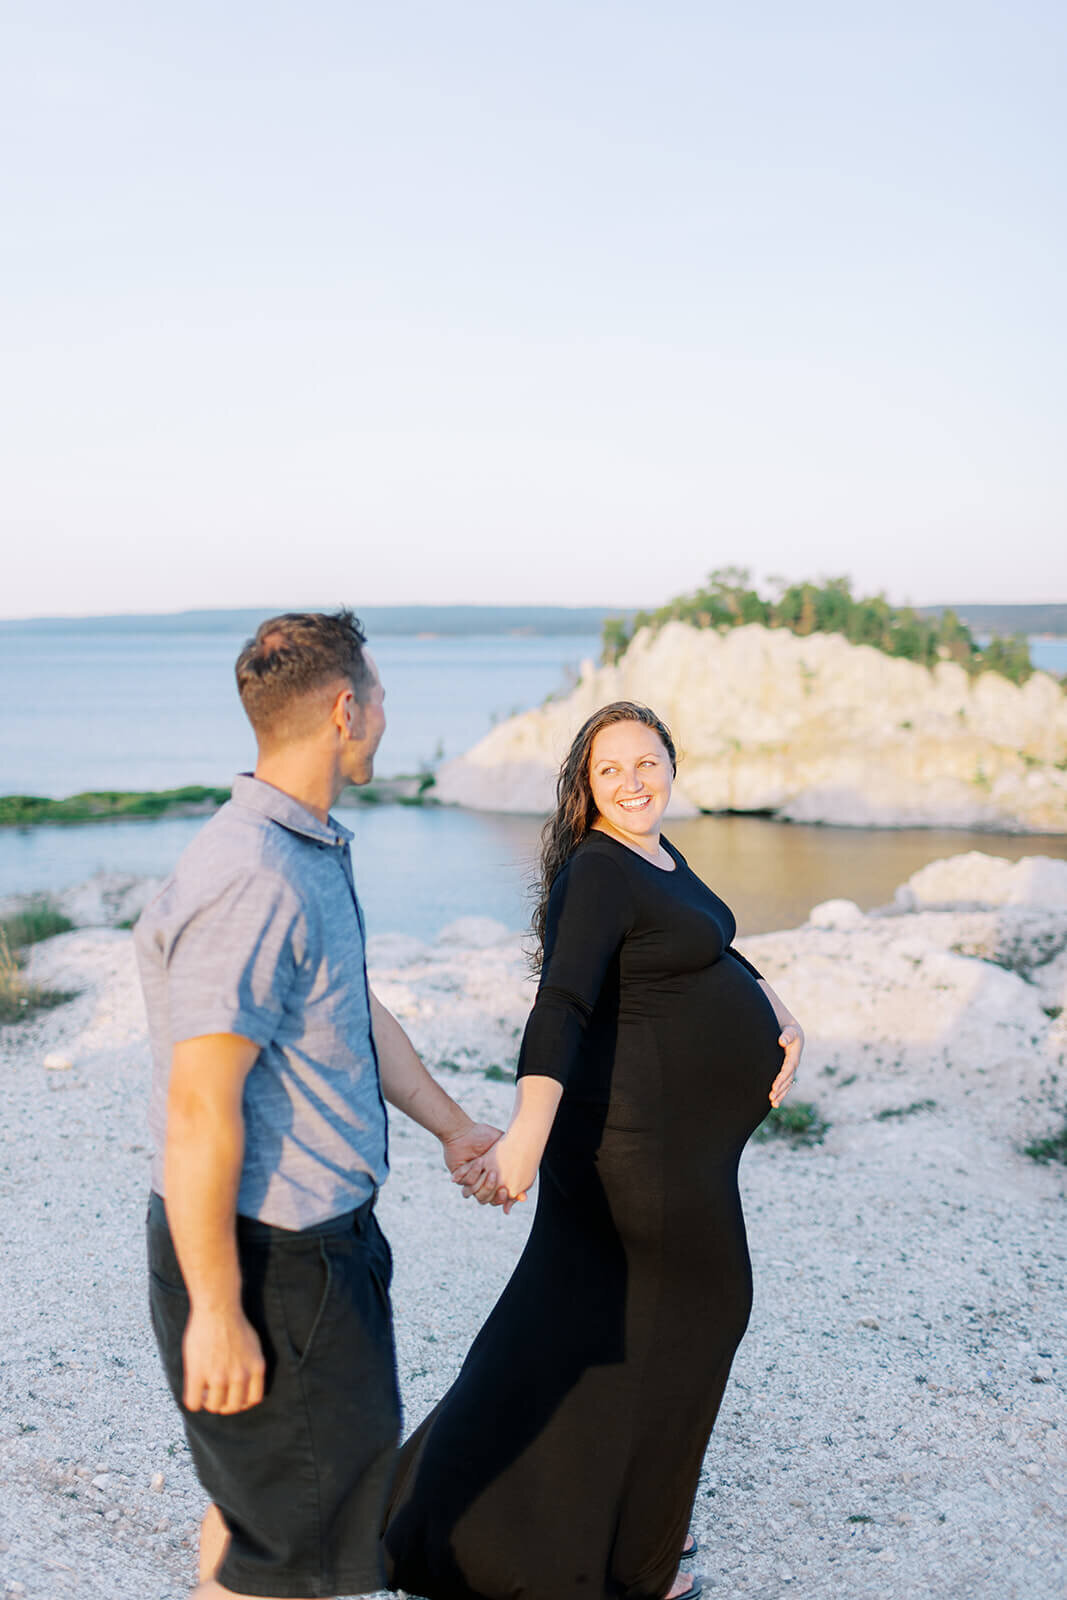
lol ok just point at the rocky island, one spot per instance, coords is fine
(807, 728)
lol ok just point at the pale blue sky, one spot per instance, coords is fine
(558, 302)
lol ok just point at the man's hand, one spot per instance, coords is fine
(505, 1174)
(223, 1361)
(466, 1143)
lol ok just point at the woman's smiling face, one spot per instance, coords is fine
(630, 777)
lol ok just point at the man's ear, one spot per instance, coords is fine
(348, 715)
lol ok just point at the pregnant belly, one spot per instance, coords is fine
(693, 1062)
(720, 1055)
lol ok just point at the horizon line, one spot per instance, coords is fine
(468, 605)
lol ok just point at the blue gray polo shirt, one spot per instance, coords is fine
(259, 931)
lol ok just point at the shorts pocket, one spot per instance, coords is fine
(163, 1265)
(381, 1253)
(305, 1279)
(169, 1307)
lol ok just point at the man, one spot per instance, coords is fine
(269, 1275)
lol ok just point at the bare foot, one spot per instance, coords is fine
(689, 1546)
(681, 1586)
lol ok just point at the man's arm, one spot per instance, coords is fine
(222, 1358)
(407, 1085)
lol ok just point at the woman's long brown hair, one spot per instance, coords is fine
(575, 810)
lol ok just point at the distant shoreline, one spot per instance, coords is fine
(30, 811)
(21, 812)
(1047, 621)
(383, 621)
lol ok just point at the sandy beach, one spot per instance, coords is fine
(894, 1425)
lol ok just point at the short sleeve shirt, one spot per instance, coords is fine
(259, 932)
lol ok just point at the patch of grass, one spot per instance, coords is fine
(904, 1111)
(859, 1516)
(497, 1074)
(1054, 1148)
(39, 919)
(18, 998)
(22, 810)
(799, 1122)
(1053, 1011)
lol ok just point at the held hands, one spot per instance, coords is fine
(463, 1146)
(223, 1362)
(500, 1177)
(791, 1040)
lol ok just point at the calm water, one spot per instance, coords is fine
(159, 710)
(419, 869)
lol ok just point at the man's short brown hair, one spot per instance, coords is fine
(293, 656)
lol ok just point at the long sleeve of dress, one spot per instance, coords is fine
(588, 916)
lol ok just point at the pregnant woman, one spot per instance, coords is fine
(563, 1462)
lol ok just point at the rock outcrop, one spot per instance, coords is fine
(810, 729)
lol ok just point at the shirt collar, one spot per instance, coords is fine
(280, 807)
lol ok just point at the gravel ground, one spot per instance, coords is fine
(894, 1426)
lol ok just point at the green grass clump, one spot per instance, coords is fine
(18, 998)
(1054, 1148)
(797, 1121)
(22, 810)
(37, 920)
(904, 1111)
(497, 1074)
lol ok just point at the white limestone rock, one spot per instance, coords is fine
(977, 879)
(107, 899)
(836, 914)
(811, 729)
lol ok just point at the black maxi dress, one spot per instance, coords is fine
(563, 1462)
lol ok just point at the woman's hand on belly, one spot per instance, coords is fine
(791, 1040)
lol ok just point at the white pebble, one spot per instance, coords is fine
(113, 1515)
(156, 1485)
(56, 1061)
(101, 1480)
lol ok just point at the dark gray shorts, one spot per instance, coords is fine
(300, 1479)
